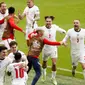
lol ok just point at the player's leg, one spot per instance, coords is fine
(82, 61)
(83, 67)
(75, 59)
(44, 65)
(29, 63)
(36, 66)
(28, 30)
(54, 59)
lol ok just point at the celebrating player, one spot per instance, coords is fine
(32, 16)
(14, 49)
(19, 74)
(77, 38)
(4, 62)
(8, 34)
(50, 51)
(36, 43)
(3, 13)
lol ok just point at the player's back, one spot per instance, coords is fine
(23, 58)
(19, 75)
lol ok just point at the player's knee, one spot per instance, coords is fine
(54, 63)
(44, 65)
(38, 74)
(83, 67)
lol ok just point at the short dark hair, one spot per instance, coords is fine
(11, 10)
(17, 56)
(3, 48)
(51, 17)
(13, 43)
(2, 3)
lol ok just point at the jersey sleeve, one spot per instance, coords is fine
(24, 58)
(50, 42)
(31, 34)
(25, 11)
(37, 12)
(9, 68)
(2, 21)
(66, 37)
(13, 25)
(60, 29)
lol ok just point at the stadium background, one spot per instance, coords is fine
(65, 11)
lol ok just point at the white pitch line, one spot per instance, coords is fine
(63, 69)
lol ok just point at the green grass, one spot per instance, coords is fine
(62, 80)
(65, 11)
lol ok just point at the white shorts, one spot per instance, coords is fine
(47, 54)
(78, 58)
(28, 31)
(1, 83)
(19, 83)
(6, 43)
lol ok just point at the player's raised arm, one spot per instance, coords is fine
(21, 16)
(61, 30)
(51, 42)
(13, 25)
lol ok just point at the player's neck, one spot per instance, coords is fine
(48, 27)
(78, 30)
(2, 58)
(31, 6)
(2, 12)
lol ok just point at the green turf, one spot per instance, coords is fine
(62, 80)
(65, 11)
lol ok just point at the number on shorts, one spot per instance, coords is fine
(19, 72)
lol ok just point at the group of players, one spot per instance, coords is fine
(37, 38)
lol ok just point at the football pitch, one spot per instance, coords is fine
(65, 11)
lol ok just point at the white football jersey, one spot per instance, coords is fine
(30, 15)
(50, 34)
(3, 65)
(76, 39)
(2, 26)
(19, 75)
(24, 58)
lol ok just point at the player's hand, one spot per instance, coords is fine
(22, 65)
(24, 32)
(63, 43)
(19, 13)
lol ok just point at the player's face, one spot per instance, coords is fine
(3, 54)
(48, 22)
(3, 8)
(14, 48)
(76, 24)
(30, 3)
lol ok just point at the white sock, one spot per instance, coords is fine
(44, 71)
(84, 73)
(53, 74)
